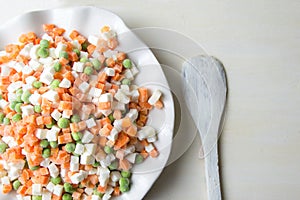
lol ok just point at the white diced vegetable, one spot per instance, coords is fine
(109, 71)
(51, 95)
(74, 163)
(90, 148)
(65, 83)
(90, 123)
(35, 64)
(106, 97)
(58, 190)
(35, 98)
(33, 52)
(56, 114)
(84, 87)
(79, 149)
(14, 86)
(27, 110)
(41, 133)
(53, 170)
(121, 97)
(93, 39)
(36, 189)
(78, 66)
(154, 97)
(50, 187)
(87, 159)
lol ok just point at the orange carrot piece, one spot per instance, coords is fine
(76, 195)
(132, 131)
(143, 94)
(91, 48)
(22, 190)
(102, 77)
(116, 191)
(81, 125)
(74, 34)
(104, 105)
(154, 153)
(6, 188)
(74, 127)
(101, 189)
(159, 104)
(122, 140)
(124, 164)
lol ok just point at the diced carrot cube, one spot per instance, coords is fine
(6, 188)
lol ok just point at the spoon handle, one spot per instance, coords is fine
(212, 174)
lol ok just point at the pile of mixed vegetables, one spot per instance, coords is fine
(72, 123)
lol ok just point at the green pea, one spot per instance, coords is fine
(108, 149)
(16, 184)
(84, 59)
(50, 125)
(139, 159)
(63, 54)
(96, 164)
(25, 96)
(13, 105)
(124, 181)
(70, 147)
(1, 97)
(33, 168)
(114, 165)
(6, 121)
(84, 46)
(44, 43)
(126, 174)
(124, 188)
(43, 52)
(46, 153)
(53, 144)
(111, 118)
(57, 66)
(19, 91)
(88, 70)
(77, 51)
(126, 81)
(96, 192)
(54, 84)
(18, 107)
(75, 118)
(37, 109)
(68, 187)
(1, 117)
(76, 136)
(37, 84)
(17, 117)
(127, 63)
(19, 98)
(44, 143)
(63, 123)
(67, 196)
(3, 147)
(36, 197)
(56, 180)
(96, 64)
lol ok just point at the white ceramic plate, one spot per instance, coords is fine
(89, 20)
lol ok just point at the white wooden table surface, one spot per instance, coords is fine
(259, 44)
